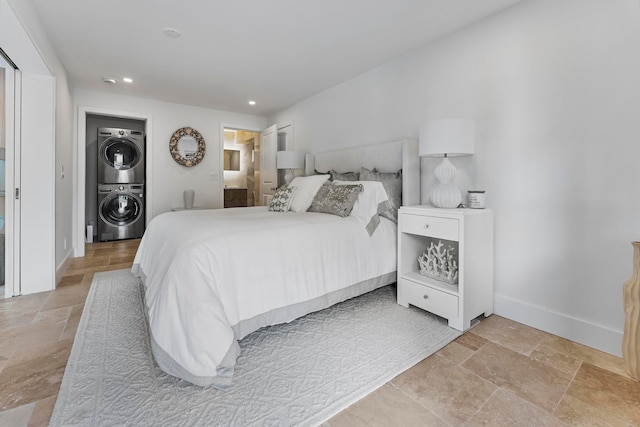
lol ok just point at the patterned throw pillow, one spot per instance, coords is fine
(335, 199)
(281, 200)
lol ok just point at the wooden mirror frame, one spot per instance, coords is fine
(175, 151)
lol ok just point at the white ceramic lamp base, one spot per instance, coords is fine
(288, 177)
(446, 194)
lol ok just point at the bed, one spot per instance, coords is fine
(212, 277)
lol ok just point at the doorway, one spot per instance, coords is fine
(241, 169)
(93, 180)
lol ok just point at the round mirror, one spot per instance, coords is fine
(187, 146)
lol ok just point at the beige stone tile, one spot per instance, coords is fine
(88, 253)
(507, 409)
(386, 406)
(71, 326)
(106, 267)
(449, 391)
(572, 350)
(88, 279)
(111, 252)
(616, 396)
(577, 413)
(98, 245)
(33, 375)
(455, 352)
(5, 355)
(516, 336)
(17, 317)
(42, 412)
(70, 280)
(29, 336)
(471, 340)
(121, 259)
(529, 379)
(81, 263)
(123, 266)
(55, 315)
(66, 296)
(6, 303)
(30, 302)
(561, 361)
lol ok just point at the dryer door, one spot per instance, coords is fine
(120, 209)
(120, 153)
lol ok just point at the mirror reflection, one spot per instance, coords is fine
(188, 147)
(232, 160)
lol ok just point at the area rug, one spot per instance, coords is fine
(295, 374)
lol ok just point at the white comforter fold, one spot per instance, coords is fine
(205, 271)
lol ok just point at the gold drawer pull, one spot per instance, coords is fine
(427, 226)
(425, 296)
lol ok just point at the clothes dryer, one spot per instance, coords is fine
(120, 211)
(121, 158)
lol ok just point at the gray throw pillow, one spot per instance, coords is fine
(343, 176)
(392, 183)
(335, 199)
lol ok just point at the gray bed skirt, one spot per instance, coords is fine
(224, 374)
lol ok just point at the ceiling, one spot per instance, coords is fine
(276, 52)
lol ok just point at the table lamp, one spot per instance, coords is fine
(447, 138)
(289, 160)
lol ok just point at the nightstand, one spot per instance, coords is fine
(457, 278)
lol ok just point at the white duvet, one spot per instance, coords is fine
(213, 276)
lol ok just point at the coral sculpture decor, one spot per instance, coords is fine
(439, 263)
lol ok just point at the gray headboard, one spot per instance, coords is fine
(386, 157)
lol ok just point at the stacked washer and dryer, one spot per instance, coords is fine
(121, 170)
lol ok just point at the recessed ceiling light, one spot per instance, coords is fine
(252, 102)
(127, 80)
(109, 81)
(171, 33)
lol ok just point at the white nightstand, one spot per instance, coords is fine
(468, 234)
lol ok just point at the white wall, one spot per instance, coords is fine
(554, 87)
(168, 178)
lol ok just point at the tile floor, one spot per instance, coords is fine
(499, 373)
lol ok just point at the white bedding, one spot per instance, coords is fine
(213, 276)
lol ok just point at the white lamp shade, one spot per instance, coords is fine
(290, 160)
(453, 137)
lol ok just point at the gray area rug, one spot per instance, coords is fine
(300, 373)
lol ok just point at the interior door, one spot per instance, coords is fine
(268, 171)
(9, 206)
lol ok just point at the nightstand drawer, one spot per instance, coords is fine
(427, 298)
(443, 228)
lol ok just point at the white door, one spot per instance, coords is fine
(9, 206)
(268, 171)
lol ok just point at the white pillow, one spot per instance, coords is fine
(372, 201)
(306, 189)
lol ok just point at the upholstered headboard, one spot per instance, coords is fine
(386, 157)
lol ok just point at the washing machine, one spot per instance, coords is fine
(121, 157)
(120, 211)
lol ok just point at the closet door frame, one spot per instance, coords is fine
(11, 110)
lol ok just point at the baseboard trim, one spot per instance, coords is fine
(579, 330)
(62, 268)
